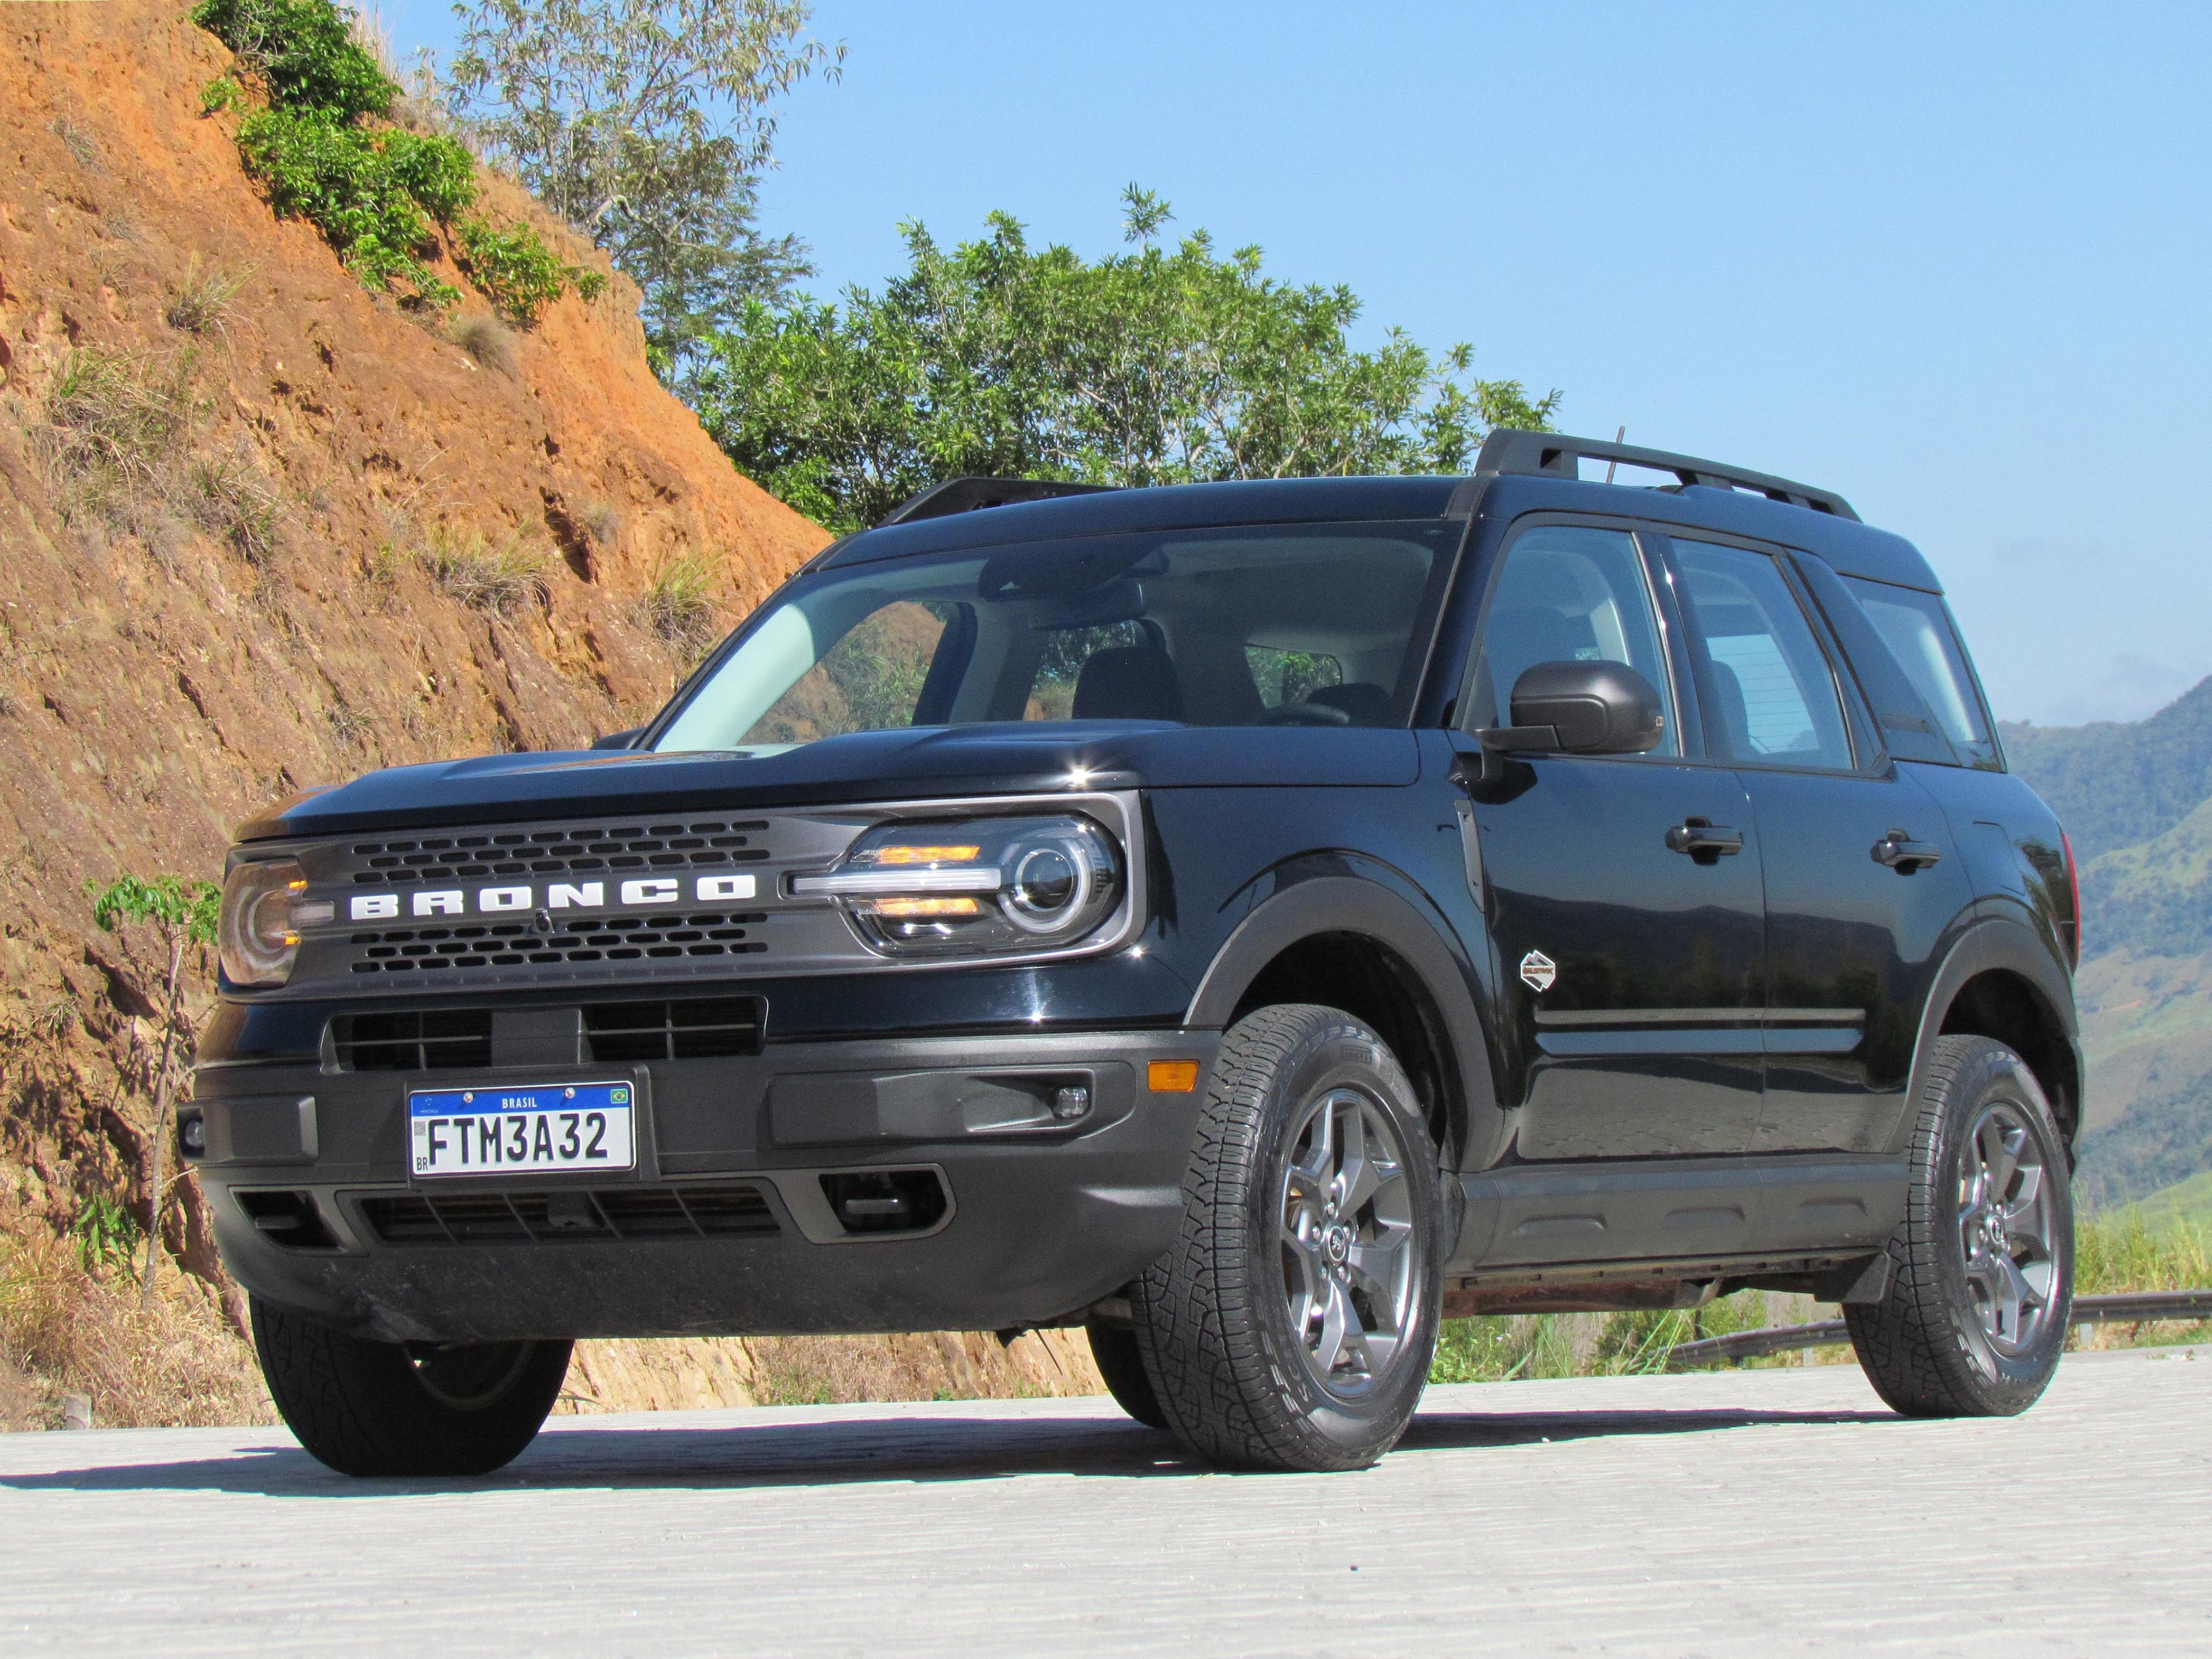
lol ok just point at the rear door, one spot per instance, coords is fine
(1861, 880)
(1631, 953)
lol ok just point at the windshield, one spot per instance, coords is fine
(1300, 624)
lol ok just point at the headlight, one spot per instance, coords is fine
(976, 886)
(262, 910)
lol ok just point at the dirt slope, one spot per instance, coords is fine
(221, 541)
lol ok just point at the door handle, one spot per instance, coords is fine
(1902, 853)
(1705, 841)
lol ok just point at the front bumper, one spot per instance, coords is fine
(728, 1227)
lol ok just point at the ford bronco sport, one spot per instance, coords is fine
(1251, 921)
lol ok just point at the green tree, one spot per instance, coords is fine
(1150, 366)
(647, 124)
(182, 914)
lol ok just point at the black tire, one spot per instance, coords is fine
(1114, 1349)
(399, 1408)
(1940, 1342)
(1230, 1324)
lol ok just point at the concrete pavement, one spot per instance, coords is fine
(1722, 1512)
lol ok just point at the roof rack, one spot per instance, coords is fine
(1548, 454)
(968, 495)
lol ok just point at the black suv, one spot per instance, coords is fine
(1253, 920)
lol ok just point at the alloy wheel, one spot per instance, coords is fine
(1347, 1242)
(2007, 1226)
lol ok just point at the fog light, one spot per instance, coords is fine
(192, 1135)
(1071, 1102)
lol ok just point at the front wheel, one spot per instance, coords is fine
(1292, 1325)
(1982, 1272)
(405, 1408)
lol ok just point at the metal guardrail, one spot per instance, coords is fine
(2132, 1307)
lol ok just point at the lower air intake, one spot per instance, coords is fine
(615, 1214)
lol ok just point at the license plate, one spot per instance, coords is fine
(553, 1126)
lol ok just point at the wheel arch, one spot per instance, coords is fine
(2000, 982)
(1351, 943)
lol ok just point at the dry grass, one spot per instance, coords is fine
(679, 606)
(116, 422)
(67, 1329)
(499, 577)
(488, 340)
(601, 522)
(201, 302)
(77, 139)
(234, 499)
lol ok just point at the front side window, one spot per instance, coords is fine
(1568, 594)
(1295, 625)
(1916, 628)
(1764, 687)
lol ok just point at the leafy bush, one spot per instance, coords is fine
(518, 272)
(374, 192)
(304, 52)
(366, 191)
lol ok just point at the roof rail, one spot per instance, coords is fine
(968, 495)
(1548, 454)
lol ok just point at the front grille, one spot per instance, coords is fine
(562, 850)
(412, 1041)
(701, 1028)
(618, 1213)
(586, 939)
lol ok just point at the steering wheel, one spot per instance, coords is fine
(1305, 713)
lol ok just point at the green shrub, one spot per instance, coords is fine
(355, 186)
(518, 272)
(304, 51)
(374, 192)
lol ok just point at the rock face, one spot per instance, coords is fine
(260, 527)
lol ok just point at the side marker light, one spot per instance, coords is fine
(1171, 1076)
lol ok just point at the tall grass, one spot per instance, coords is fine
(71, 1321)
(499, 577)
(679, 605)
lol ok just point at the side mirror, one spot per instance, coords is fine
(619, 739)
(1578, 708)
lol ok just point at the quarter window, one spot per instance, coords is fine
(1568, 594)
(1765, 686)
(1918, 630)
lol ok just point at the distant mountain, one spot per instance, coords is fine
(2115, 784)
(2136, 798)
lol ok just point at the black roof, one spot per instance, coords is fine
(1531, 471)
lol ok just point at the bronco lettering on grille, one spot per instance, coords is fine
(558, 895)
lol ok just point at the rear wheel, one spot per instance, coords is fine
(1982, 1272)
(1292, 1325)
(405, 1408)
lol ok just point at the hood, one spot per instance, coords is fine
(905, 764)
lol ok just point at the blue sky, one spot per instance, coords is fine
(1951, 261)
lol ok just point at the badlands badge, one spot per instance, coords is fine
(1539, 970)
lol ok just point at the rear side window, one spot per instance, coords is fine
(1918, 630)
(1765, 686)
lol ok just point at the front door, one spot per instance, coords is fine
(1623, 893)
(1861, 880)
